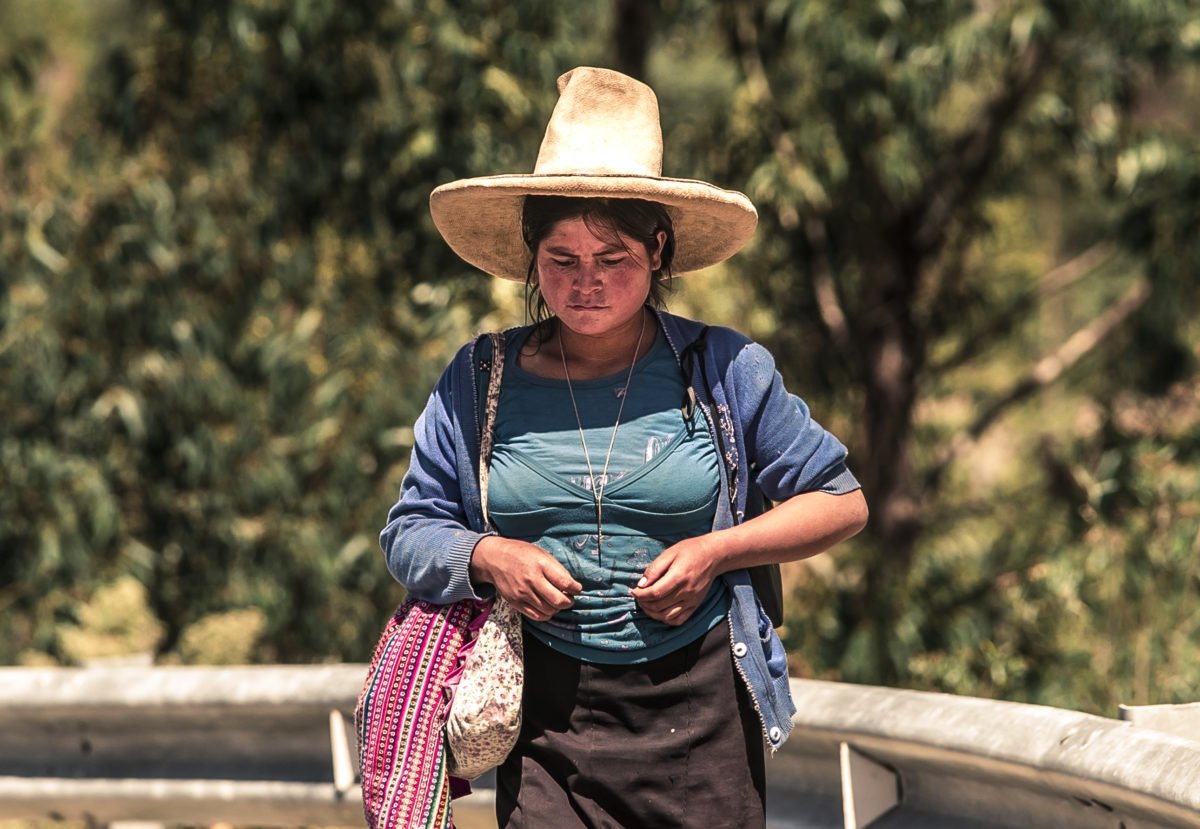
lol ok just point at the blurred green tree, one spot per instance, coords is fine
(892, 147)
(222, 304)
(222, 311)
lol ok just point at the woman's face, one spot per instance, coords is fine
(594, 285)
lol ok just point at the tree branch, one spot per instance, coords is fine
(759, 86)
(1047, 370)
(1073, 270)
(975, 151)
(1052, 282)
(829, 303)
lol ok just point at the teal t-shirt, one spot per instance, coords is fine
(662, 486)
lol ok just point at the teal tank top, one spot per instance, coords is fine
(662, 486)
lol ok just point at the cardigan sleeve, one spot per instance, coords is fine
(789, 452)
(428, 540)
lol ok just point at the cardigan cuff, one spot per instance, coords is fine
(839, 481)
(458, 558)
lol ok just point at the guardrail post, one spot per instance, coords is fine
(344, 771)
(869, 789)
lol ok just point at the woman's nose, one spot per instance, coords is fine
(588, 278)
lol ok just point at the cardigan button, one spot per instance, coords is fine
(775, 735)
(739, 649)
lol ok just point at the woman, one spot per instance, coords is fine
(626, 515)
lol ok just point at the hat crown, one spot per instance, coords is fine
(604, 123)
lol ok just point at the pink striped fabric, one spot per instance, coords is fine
(400, 715)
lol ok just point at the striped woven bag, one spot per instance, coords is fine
(426, 655)
(400, 716)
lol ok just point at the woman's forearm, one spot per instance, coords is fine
(800, 527)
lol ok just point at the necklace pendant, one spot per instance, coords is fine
(597, 484)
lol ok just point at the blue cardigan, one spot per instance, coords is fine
(773, 449)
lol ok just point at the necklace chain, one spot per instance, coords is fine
(597, 487)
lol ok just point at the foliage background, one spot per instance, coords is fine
(223, 303)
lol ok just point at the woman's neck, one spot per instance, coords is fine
(589, 357)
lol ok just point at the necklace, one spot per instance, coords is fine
(597, 487)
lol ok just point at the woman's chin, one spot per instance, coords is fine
(592, 322)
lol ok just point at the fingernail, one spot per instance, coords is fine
(642, 581)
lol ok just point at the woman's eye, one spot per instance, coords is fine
(611, 263)
(563, 263)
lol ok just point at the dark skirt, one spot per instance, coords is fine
(674, 742)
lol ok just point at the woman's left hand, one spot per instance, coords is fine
(676, 582)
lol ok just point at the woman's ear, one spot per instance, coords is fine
(656, 257)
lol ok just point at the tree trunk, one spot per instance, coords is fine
(892, 353)
(633, 21)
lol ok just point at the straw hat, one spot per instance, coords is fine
(603, 140)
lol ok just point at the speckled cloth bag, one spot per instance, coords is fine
(485, 715)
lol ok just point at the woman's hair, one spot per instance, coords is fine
(607, 219)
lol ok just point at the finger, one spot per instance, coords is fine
(523, 595)
(565, 584)
(654, 572)
(661, 610)
(538, 607)
(551, 598)
(558, 576)
(674, 615)
(660, 592)
(670, 616)
(534, 613)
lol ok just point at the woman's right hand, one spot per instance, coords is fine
(531, 579)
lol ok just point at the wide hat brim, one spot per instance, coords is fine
(480, 218)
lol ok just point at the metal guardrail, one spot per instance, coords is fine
(273, 746)
(960, 761)
(252, 745)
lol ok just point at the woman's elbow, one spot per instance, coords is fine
(856, 514)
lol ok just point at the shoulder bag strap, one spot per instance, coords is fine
(494, 365)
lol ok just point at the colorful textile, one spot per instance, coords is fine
(401, 713)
